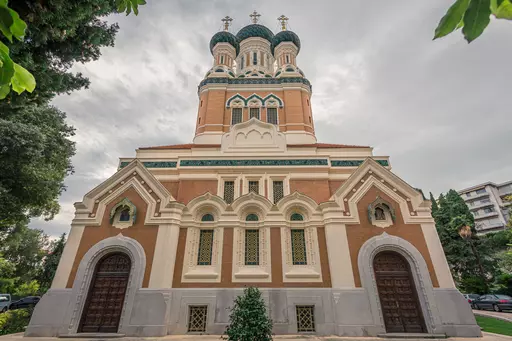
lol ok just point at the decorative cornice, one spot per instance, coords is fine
(234, 163)
(153, 164)
(355, 163)
(255, 81)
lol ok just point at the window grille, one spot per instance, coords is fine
(296, 217)
(236, 115)
(197, 318)
(254, 112)
(254, 186)
(278, 190)
(252, 217)
(298, 247)
(229, 191)
(305, 318)
(207, 217)
(204, 256)
(272, 115)
(252, 247)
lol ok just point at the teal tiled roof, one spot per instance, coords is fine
(224, 37)
(285, 36)
(255, 30)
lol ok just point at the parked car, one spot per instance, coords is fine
(27, 302)
(494, 302)
(471, 299)
(5, 302)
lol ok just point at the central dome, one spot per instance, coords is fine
(255, 30)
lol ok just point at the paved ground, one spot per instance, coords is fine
(487, 337)
(502, 316)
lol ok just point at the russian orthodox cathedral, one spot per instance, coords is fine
(337, 243)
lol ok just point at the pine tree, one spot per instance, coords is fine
(249, 320)
(51, 262)
(435, 207)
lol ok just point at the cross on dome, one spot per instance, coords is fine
(284, 21)
(255, 16)
(227, 22)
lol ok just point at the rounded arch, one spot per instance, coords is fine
(232, 98)
(272, 97)
(297, 203)
(207, 204)
(419, 272)
(254, 97)
(83, 279)
(251, 203)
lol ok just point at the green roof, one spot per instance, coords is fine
(255, 30)
(224, 37)
(283, 36)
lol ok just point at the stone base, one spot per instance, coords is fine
(337, 312)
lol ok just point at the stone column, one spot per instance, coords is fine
(164, 258)
(68, 257)
(340, 264)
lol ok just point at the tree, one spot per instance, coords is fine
(466, 258)
(472, 16)
(249, 320)
(51, 262)
(7, 281)
(435, 207)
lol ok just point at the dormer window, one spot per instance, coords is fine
(381, 214)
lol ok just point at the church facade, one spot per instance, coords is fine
(337, 243)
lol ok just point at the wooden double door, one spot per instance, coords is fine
(104, 304)
(397, 293)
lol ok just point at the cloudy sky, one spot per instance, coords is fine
(440, 109)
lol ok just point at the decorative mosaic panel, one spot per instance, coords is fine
(229, 191)
(156, 164)
(355, 163)
(272, 115)
(204, 256)
(254, 186)
(278, 189)
(235, 163)
(254, 81)
(254, 112)
(252, 247)
(299, 256)
(236, 115)
(305, 318)
(197, 319)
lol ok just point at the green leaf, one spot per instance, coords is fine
(22, 80)
(452, 18)
(121, 6)
(6, 22)
(4, 91)
(18, 26)
(504, 10)
(476, 19)
(7, 68)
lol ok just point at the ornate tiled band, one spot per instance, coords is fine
(234, 163)
(355, 163)
(155, 164)
(225, 80)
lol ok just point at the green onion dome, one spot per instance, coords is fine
(224, 37)
(255, 30)
(283, 36)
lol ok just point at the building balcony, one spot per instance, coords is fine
(490, 228)
(475, 196)
(487, 215)
(506, 192)
(479, 206)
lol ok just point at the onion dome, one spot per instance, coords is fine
(287, 36)
(255, 30)
(224, 37)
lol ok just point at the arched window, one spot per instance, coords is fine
(252, 217)
(207, 217)
(379, 214)
(296, 217)
(242, 64)
(125, 215)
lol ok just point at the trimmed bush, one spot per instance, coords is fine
(14, 321)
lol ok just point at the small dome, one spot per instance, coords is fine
(224, 37)
(255, 30)
(285, 36)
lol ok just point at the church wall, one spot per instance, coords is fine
(308, 116)
(334, 185)
(172, 186)
(294, 110)
(359, 234)
(146, 235)
(318, 190)
(203, 105)
(189, 189)
(276, 264)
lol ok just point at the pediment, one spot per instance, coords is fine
(253, 136)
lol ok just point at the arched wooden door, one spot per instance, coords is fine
(104, 304)
(397, 293)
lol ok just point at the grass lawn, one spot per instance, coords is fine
(492, 325)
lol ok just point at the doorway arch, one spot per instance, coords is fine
(104, 304)
(401, 308)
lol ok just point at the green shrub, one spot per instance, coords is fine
(14, 321)
(249, 320)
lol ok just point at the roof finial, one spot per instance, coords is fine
(284, 21)
(255, 17)
(227, 22)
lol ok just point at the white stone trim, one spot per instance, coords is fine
(444, 276)
(192, 272)
(83, 279)
(284, 177)
(419, 271)
(222, 178)
(61, 277)
(312, 271)
(162, 270)
(260, 273)
(338, 251)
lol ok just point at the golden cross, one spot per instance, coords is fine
(284, 20)
(227, 22)
(255, 17)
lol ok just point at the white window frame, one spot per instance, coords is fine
(194, 273)
(261, 184)
(220, 187)
(260, 273)
(285, 178)
(232, 111)
(277, 118)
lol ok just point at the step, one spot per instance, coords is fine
(412, 336)
(92, 336)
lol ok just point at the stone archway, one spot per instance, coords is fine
(398, 296)
(105, 300)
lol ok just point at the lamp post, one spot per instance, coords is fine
(465, 233)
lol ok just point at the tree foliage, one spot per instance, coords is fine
(249, 320)
(51, 262)
(451, 215)
(14, 321)
(473, 16)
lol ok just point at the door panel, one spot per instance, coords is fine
(104, 304)
(400, 306)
